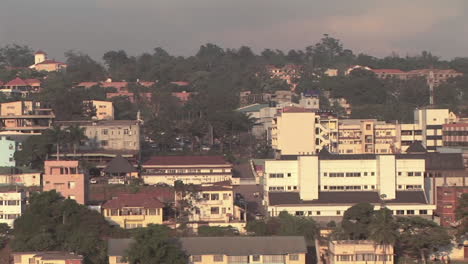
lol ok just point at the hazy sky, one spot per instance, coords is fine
(181, 26)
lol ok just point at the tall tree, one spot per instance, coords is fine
(356, 221)
(16, 56)
(81, 67)
(383, 229)
(154, 244)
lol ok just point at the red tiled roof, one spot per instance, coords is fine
(16, 82)
(387, 71)
(146, 84)
(186, 160)
(33, 82)
(51, 62)
(87, 84)
(293, 109)
(181, 83)
(117, 85)
(1, 83)
(145, 200)
(40, 52)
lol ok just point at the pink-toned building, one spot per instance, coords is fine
(66, 177)
(183, 96)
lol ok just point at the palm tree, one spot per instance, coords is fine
(56, 135)
(383, 229)
(75, 136)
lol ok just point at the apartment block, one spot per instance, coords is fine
(324, 186)
(8, 148)
(239, 249)
(431, 122)
(455, 134)
(67, 178)
(359, 251)
(188, 169)
(25, 117)
(48, 257)
(12, 206)
(447, 202)
(134, 210)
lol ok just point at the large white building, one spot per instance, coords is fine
(12, 205)
(325, 185)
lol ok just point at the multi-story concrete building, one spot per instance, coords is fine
(359, 251)
(213, 205)
(12, 206)
(359, 136)
(8, 148)
(188, 169)
(326, 185)
(66, 178)
(431, 121)
(225, 250)
(25, 117)
(104, 109)
(455, 134)
(301, 131)
(447, 202)
(20, 87)
(48, 257)
(134, 210)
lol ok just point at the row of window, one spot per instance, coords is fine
(10, 202)
(134, 211)
(363, 257)
(347, 174)
(338, 212)
(9, 216)
(125, 132)
(245, 259)
(455, 133)
(410, 173)
(169, 171)
(215, 210)
(215, 196)
(278, 175)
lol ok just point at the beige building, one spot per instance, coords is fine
(358, 136)
(301, 131)
(12, 205)
(41, 63)
(104, 109)
(226, 250)
(25, 117)
(188, 169)
(51, 257)
(359, 251)
(67, 178)
(134, 210)
(214, 205)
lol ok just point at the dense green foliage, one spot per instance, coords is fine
(52, 223)
(285, 225)
(356, 221)
(462, 216)
(154, 244)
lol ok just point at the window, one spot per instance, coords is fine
(372, 173)
(423, 212)
(368, 127)
(372, 187)
(225, 196)
(318, 213)
(276, 175)
(104, 143)
(206, 196)
(294, 257)
(71, 185)
(410, 174)
(214, 210)
(338, 212)
(196, 258)
(126, 132)
(12, 202)
(400, 212)
(417, 173)
(365, 173)
(223, 210)
(214, 196)
(325, 174)
(256, 258)
(105, 132)
(399, 173)
(337, 174)
(410, 212)
(299, 213)
(399, 187)
(344, 257)
(151, 211)
(218, 258)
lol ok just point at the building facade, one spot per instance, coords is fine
(104, 109)
(51, 257)
(188, 169)
(359, 251)
(447, 202)
(67, 178)
(7, 152)
(25, 117)
(455, 134)
(134, 210)
(12, 206)
(326, 185)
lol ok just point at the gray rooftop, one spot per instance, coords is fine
(243, 246)
(118, 246)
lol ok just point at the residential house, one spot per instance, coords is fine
(134, 210)
(25, 117)
(66, 178)
(20, 87)
(213, 205)
(188, 169)
(359, 252)
(12, 206)
(41, 63)
(240, 249)
(47, 257)
(12, 176)
(324, 186)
